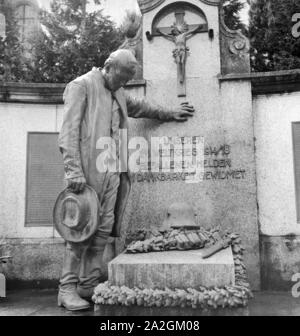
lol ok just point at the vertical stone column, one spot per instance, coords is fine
(226, 197)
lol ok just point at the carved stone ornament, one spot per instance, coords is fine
(135, 44)
(180, 215)
(235, 48)
(179, 32)
(148, 5)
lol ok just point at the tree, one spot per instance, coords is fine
(72, 41)
(270, 33)
(232, 9)
(13, 66)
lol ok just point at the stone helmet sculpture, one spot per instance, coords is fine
(180, 215)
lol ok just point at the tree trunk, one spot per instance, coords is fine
(83, 23)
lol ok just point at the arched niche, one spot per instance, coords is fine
(181, 14)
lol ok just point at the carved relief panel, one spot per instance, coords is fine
(179, 22)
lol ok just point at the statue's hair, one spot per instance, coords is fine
(121, 58)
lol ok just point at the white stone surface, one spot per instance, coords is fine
(173, 269)
(16, 120)
(274, 115)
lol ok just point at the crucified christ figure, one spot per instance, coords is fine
(179, 35)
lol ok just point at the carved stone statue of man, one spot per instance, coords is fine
(96, 106)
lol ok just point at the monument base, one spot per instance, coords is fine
(176, 282)
(172, 269)
(107, 310)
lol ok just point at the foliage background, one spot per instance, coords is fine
(13, 64)
(72, 40)
(270, 27)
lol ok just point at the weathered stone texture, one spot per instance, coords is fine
(174, 269)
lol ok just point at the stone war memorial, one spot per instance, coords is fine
(214, 207)
(183, 231)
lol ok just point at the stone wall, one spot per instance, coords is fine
(276, 191)
(273, 117)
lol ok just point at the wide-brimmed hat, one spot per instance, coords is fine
(76, 216)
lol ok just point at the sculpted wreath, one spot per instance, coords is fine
(197, 298)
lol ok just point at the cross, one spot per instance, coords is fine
(179, 33)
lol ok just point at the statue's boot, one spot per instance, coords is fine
(69, 298)
(92, 263)
(67, 295)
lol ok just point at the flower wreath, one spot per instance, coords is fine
(204, 298)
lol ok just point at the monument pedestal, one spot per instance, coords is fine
(173, 283)
(172, 269)
(107, 310)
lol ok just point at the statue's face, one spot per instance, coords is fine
(119, 76)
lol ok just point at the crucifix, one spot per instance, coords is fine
(179, 33)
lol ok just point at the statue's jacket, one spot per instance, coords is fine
(87, 117)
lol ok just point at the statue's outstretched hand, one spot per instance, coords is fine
(77, 184)
(184, 112)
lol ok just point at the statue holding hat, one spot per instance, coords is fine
(90, 210)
